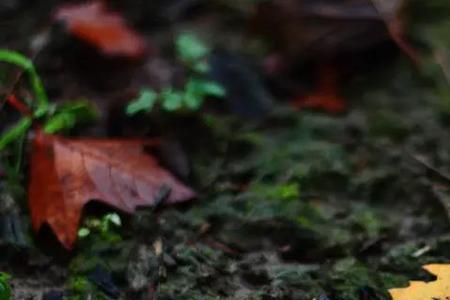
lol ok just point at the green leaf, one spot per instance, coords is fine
(194, 95)
(70, 114)
(198, 89)
(113, 218)
(15, 132)
(84, 109)
(145, 102)
(193, 101)
(83, 232)
(171, 100)
(201, 67)
(215, 89)
(59, 122)
(190, 48)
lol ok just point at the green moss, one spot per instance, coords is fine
(390, 280)
(81, 288)
(349, 279)
(367, 221)
(5, 288)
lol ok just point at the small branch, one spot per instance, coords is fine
(428, 166)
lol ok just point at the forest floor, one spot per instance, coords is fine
(292, 204)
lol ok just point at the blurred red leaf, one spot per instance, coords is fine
(106, 30)
(330, 103)
(66, 174)
(326, 95)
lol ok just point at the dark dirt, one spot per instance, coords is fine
(292, 205)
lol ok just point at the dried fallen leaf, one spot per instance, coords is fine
(106, 30)
(66, 174)
(435, 290)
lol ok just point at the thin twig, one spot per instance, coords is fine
(421, 160)
(19, 105)
(13, 88)
(443, 61)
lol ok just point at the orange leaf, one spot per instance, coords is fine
(66, 174)
(106, 30)
(330, 103)
(418, 290)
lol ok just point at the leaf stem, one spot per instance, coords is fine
(27, 65)
(19, 105)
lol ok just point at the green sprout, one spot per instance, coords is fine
(145, 102)
(193, 54)
(51, 118)
(54, 118)
(104, 227)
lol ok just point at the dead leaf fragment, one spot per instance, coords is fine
(106, 30)
(66, 174)
(419, 290)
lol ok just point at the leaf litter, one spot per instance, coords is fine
(366, 221)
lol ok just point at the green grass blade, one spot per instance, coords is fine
(27, 65)
(15, 132)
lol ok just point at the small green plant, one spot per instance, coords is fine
(101, 245)
(5, 289)
(103, 227)
(193, 54)
(50, 118)
(81, 288)
(54, 118)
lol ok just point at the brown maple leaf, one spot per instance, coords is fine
(66, 174)
(106, 30)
